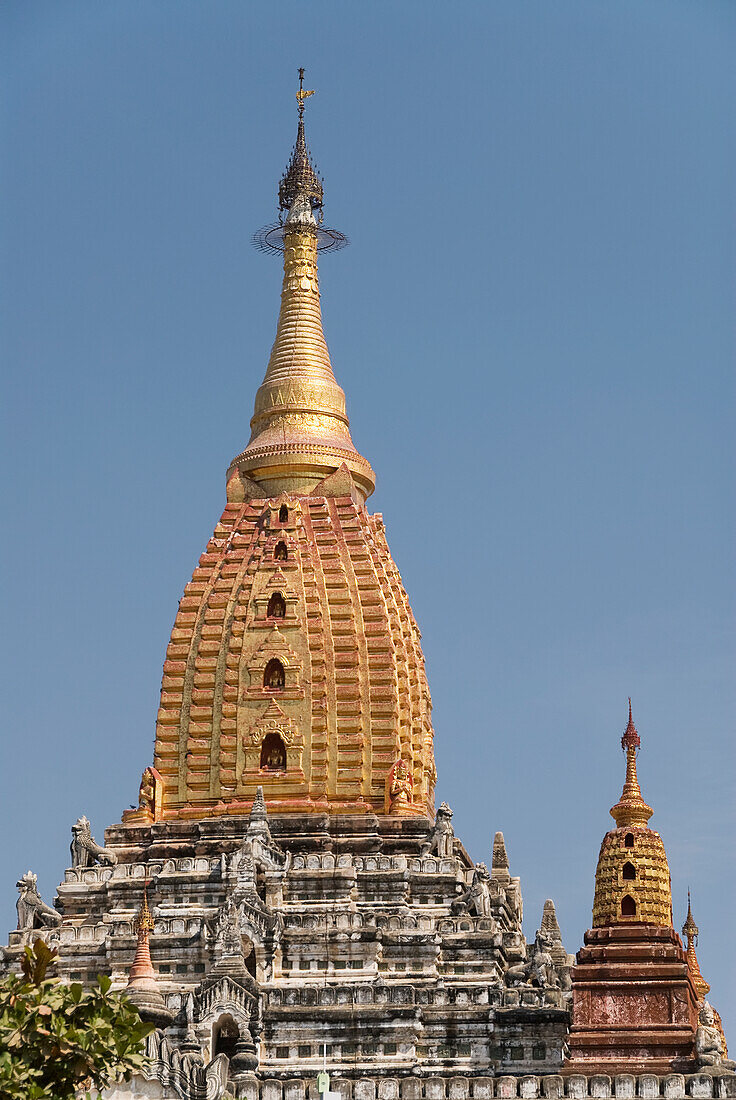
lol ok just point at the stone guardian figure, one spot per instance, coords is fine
(85, 850)
(32, 911)
(709, 1042)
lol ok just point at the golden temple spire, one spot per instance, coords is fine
(142, 967)
(300, 433)
(632, 879)
(690, 931)
(631, 809)
(142, 988)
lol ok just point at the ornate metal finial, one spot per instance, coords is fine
(300, 181)
(631, 809)
(301, 95)
(631, 738)
(690, 929)
(301, 195)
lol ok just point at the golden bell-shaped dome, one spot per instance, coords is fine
(632, 879)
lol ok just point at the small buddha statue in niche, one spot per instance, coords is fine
(273, 754)
(274, 677)
(275, 759)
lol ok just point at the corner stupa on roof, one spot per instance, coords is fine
(142, 988)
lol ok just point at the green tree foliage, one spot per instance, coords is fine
(55, 1039)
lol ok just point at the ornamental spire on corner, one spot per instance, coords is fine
(691, 931)
(142, 988)
(631, 809)
(300, 433)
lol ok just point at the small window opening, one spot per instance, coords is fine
(273, 754)
(276, 606)
(628, 906)
(225, 1036)
(629, 840)
(283, 514)
(274, 676)
(280, 553)
(629, 872)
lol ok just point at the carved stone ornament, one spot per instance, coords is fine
(440, 842)
(709, 1041)
(476, 900)
(85, 850)
(184, 1072)
(272, 721)
(32, 911)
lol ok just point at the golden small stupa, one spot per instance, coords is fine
(632, 879)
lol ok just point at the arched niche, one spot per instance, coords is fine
(628, 906)
(249, 954)
(225, 1034)
(276, 606)
(273, 753)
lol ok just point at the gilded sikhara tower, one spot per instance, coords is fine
(295, 661)
(284, 903)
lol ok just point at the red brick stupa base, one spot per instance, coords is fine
(635, 1009)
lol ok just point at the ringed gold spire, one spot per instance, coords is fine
(631, 809)
(300, 433)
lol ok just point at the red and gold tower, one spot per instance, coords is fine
(635, 1006)
(295, 661)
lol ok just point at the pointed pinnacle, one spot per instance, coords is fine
(690, 928)
(499, 859)
(258, 810)
(631, 809)
(550, 924)
(631, 737)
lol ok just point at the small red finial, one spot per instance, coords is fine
(630, 739)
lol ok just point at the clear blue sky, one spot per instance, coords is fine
(534, 328)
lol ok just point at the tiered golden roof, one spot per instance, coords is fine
(295, 662)
(632, 879)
